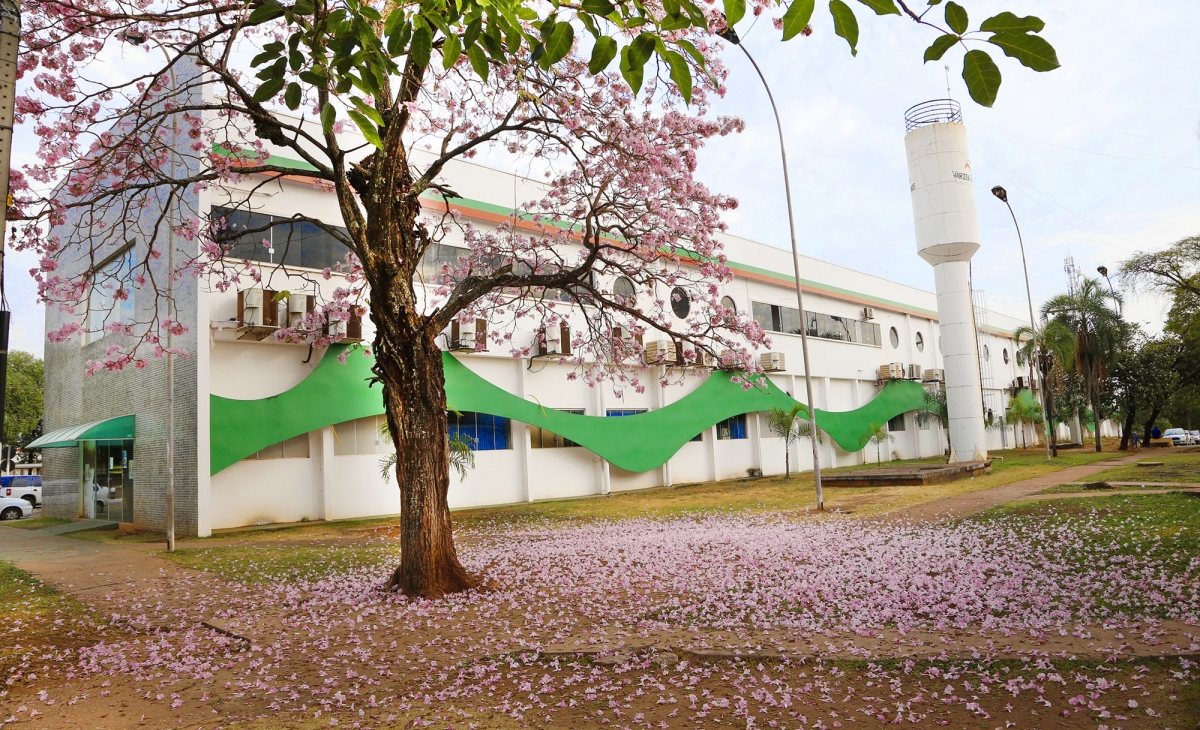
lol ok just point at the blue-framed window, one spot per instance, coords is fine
(732, 428)
(490, 433)
(615, 412)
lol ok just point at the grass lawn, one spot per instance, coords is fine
(1176, 468)
(36, 618)
(35, 523)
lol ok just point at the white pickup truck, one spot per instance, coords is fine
(23, 486)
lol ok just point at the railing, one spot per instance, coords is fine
(936, 111)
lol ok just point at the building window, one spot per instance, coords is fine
(488, 432)
(774, 318)
(110, 300)
(624, 291)
(987, 355)
(1005, 354)
(728, 303)
(920, 342)
(894, 338)
(618, 412)
(897, 423)
(277, 239)
(293, 448)
(732, 428)
(435, 257)
(362, 436)
(681, 304)
(924, 424)
(540, 438)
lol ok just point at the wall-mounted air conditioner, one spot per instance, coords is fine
(1020, 383)
(868, 313)
(555, 340)
(298, 306)
(660, 351)
(914, 372)
(468, 335)
(893, 371)
(772, 362)
(250, 308)
(934, 375)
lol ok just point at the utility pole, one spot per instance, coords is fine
(10, 39)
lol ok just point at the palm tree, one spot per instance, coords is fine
(1022, 412)
(788, 426)
(877, 434)
(1098, 331)
(934, 410)
(1056, 345)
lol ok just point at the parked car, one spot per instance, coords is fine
(1178, 436)
(1195, 437)
(12, 508)
(23, 486)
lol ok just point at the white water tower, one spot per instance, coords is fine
(943, 199)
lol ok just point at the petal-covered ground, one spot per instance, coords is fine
(624, 622)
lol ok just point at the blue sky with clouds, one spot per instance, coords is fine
(1100, 157)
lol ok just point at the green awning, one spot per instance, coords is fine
(117, 428)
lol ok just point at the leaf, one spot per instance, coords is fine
(1006, 22)
(268, 90)
(1033, 51)
(642, 48)
(368, 128)
(267, 11)
(882, 7)
(797, 17)
(394, 20)
(603, 53)
(558, 44)
(692, 51)
(328, 117)
(845, 24)
(735, 10)
(956, 17)
(479, 62)
(421, 46)
(291, 97)
(631, 69)
(398, 41)
(597, 7)
(303, 7)
(451, 51)
(681, 73)
(940, 45)
(982, 77)
(367, 111)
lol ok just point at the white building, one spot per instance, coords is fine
(271, 432)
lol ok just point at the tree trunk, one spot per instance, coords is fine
(1125, 431)
(1096, 416)
(415, 397)
(1150, 425)
(787, 460)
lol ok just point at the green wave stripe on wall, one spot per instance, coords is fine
(334, 393)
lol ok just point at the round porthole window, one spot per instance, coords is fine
(624, 291)
(1005, 353)
(920, 342)
(681, 305)
(728, 303)
(987, 355)
(894, 336)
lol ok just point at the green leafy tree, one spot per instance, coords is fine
(789, 426)
(1143, 379)
(23, 399)
(1098, 331)
(1175, 269)
(1023, 412)
(877, 434)
(934, 410)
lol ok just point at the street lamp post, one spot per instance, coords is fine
(730, 35)
(1002, 194)
(1103, 271)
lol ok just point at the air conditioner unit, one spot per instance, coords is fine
(1019, 383)
(555, 340)
(298, 306)
(660, 351)
(623, 333)
(934, 375)
(868, 313)
(708, 360)
(892, 371)
(468, 335)
(772, 362)
(914, 372)
(250, 307)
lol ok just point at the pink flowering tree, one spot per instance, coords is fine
(375, 100)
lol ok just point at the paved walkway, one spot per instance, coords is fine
(965, 504)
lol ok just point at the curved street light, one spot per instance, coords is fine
(1002, 194)
(730, 35)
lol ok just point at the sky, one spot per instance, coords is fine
(1101, 157)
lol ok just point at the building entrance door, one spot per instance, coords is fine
(106, 480)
